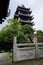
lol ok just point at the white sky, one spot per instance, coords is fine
(36, 7)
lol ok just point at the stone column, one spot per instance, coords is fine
(35, 40)
(36, 48)
(15, 49)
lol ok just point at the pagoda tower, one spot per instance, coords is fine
(4, 4)
(24, 15)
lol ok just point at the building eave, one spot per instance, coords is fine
(4, 4)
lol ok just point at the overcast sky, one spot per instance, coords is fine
(36, 7)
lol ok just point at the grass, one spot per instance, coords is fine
(10, 55)
(30, 62)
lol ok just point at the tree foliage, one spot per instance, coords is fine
(22, 38)
(28, 29)
(39, 32)
(14, 28)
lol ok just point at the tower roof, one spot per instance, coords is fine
(23, 8)
(24, 15)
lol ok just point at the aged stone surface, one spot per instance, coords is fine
(4, 58)
(27, 50)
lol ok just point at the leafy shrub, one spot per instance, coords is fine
(22, 38)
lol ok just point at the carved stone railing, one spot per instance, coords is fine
(24, 51)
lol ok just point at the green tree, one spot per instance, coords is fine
(8, 32)
(22, 38)
(28, 29)
(14, 28)
(39, 32)
(18, 30)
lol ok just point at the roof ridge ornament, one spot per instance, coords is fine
(23, 6)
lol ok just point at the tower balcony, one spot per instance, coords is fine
(23, 20)
(27, 22)
(25, 17)
(23, 11)
(23, 14)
